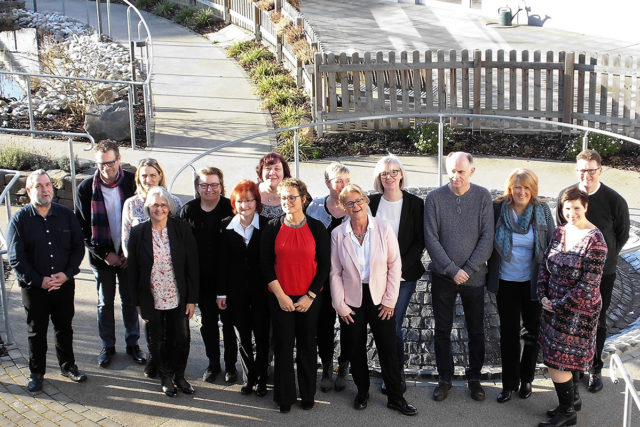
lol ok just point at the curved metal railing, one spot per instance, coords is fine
(630, 393)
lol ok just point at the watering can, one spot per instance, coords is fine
(506, 16)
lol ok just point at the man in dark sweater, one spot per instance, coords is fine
(458, 234)
(608, 211)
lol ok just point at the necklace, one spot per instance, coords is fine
(360, 236)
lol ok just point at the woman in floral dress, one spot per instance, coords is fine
(568, 289)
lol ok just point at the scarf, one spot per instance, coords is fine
(100, 231)
(533, 216)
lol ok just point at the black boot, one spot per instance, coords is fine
(326, 383)
(577, 401)
(565, 414)
(341, 379)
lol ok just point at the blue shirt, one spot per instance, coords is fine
(519, 268)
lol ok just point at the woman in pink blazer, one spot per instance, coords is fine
(365, 280)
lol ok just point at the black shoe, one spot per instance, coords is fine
(360, 402)
(184, 386)
(136, 354)
(341, 379)
(73, 374)
(504, 396)
(231, 376)
(210, 373)
(284, 409)
(561, 418)
(247, 388)
(403, 407)
(441, 391)
(326, 383)
(150, 369)
(35, 382)
(525, 390)
(477, 392)
(261, 390)
(595, 382)
(577, 403)
(168, 387)
(307, 404)
(104, 358)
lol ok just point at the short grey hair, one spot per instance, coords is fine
(389, 159)
(335, 169)
(462, 153)
(160, 192)
(33, 177)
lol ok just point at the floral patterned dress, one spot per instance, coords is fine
(570, 278)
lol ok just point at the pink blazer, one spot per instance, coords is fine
(384, 265)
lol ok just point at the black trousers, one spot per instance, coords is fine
(210, 333)
(384, 335)
(606, 289)
(169, 341)
(253, 319)
(514, 301)
(39, 305)
(326, 331)
(297, 328)
(443, 297)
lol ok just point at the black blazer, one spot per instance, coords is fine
(184, 256)
(239, 274)
(410, 233)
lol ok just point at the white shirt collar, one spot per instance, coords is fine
(235, 221)
(370, 225)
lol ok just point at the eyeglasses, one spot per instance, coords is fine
(245, 201)
(392, 173)
(213, 186)
(148, 161)
(358, 202)
(591, 172)
(107, 164)
(162, 206)
(340, 181)
(292, 198)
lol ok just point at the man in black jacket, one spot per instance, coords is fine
(608, 211)
(101, 198)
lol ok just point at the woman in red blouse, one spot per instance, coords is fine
(295, 263)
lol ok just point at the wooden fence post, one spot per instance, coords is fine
(279, 47)
(257, 19)
(227, 11)
(317, 91)
(477, 83)
(277, 5)
(567, 107)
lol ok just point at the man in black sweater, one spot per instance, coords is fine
(608, 211)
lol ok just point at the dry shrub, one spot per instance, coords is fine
(282, 25)
(265, 5)
(295, 3)
(293, 33)
(276, 17)
(302, 50)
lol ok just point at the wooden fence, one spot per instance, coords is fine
(584, 89)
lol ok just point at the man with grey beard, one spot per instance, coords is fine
(45, 248)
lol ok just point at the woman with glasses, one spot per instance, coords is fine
(523, 229)
(271, 170)
(163, 276)
(365, 279)
(405, 213)
(148, 175)
(329, 211)
(295, 265)
(204, 214)
(241, 281)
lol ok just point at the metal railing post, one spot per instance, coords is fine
(440, 148)
(72, 170)
(585, 141)
(296, 154)
(615, 364)
(35, 5)
(146, 100)
(32, 124)
(5, 308)
(132, 66)
(132, 124)
(99, 18)
(108, 17)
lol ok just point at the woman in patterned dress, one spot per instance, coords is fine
(271, 170)
(568, 289)
(163, 276)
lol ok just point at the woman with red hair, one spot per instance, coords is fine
(271, 170)
(243, 285)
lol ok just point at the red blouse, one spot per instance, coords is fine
(295, 264)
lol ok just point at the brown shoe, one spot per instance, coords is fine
(441, 392)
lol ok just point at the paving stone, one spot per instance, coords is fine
(53, 416)
(93, 416)
(108, 423)
(56, 407)
(72, 415)
(47, 423)
(88, 423)
(33, 416)
(76, 407)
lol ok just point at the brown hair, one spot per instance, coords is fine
(574, 193)
(245, 186)
(526, 178)
(106, 145)
(271, 159)
(210, 170)
(589, 155)
(302, 189)
(151, 163)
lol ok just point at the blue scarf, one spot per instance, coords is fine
(533, 216)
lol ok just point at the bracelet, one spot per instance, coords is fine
(310, 297)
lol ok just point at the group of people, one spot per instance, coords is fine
(276, 266)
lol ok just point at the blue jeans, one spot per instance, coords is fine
(106, 286)
(404, 296)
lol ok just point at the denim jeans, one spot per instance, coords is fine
(406, 291)
(106, 286)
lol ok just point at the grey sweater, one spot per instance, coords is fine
(458, 232)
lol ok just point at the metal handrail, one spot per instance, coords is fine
(630, 393)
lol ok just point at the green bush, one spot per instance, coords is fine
(286, 147)
(281, 98)
(238, 48)
(145, 4)
(254, 55)
(204, 17)
(605, 145)
(265, 68)
(268, 84)
(18, 158)
(185, 15)
(425, 137)
(165, 8)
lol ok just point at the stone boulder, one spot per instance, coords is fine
(108, 121)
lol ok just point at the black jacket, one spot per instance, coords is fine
(410, 233)
(83, 212)
(184, 257)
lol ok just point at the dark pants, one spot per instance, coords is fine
(211, 334)
(39, 304)
(106, 286)
(384, 335)
(169, 341)
(606, 288)
(404, 296)
(514, 301)
(443, 297)
(248, 320)
(297, 328)
(326, 331)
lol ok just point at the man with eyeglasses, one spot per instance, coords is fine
(608, 211)
(101, 199)
(205, 214)
(458, 235)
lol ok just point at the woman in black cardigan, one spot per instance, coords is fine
(163, 276)
(405, 212)
(242, 287)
